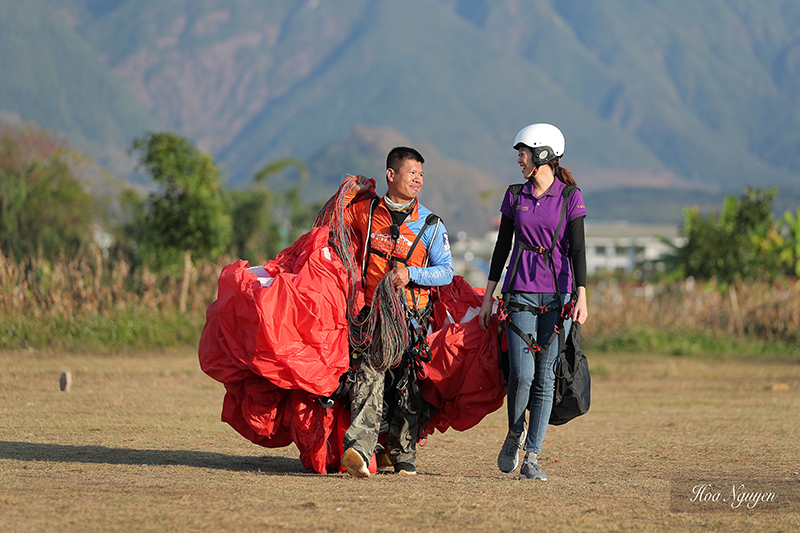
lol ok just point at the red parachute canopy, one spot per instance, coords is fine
(277, 338)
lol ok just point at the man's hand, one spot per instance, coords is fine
(400, 277)
(363, 183)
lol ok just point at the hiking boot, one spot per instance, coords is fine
(405, 469)
(354, 463)
(531, 469)
(508, 459)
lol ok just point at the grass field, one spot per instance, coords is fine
(137, 445)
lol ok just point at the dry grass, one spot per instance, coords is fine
(137, 445)
(90, 285)
(767, 311)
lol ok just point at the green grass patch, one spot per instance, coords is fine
(151, 330)
(647, 339)
(120, 332)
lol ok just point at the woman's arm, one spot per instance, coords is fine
(502, 247)
(577, 258)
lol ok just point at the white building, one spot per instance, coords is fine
(611, 247)
(620, 247)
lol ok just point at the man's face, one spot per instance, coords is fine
(404, 185)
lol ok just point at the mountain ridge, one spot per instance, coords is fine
(680, 97)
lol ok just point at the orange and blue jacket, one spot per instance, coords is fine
(430, 263)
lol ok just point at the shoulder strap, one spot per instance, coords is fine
(430, 220)
(568, 190)
(515, 190)
(368, 244)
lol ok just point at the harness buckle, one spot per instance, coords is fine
(566, 311)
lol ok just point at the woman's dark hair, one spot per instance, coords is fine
(562, 173)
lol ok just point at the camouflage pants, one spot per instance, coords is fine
(367, 414)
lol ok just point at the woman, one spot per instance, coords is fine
(532, 215)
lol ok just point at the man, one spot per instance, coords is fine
(388, 228)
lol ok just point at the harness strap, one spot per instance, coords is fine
(534, 346)
(430, 220)
(368, 245)
(516, 307)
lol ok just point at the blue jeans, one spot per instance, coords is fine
(531, 384)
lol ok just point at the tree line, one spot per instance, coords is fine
(742, 241)
(45, 211)
(191, 215)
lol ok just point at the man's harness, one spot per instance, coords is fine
(418, 351)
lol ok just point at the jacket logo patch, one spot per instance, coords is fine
(445, 241)
(522, 208)
(384, 242)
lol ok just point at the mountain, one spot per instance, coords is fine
(52, 76)
(466, 198)
(662, 104)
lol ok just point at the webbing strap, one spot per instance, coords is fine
(535, 347)
(430, 220)
(368, 245)
(516, 307)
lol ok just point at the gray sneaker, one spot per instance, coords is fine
(508, 459)
(531, 469)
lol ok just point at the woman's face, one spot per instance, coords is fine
(525, 161)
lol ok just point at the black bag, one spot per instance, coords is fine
(573, 386)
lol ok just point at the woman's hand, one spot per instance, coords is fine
(581, 311)
(485, 316)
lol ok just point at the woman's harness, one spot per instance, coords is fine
(509, 307)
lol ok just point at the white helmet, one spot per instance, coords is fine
(545, 140)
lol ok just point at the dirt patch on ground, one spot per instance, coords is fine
(137, 444)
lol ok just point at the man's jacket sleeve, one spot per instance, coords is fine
(440, 262)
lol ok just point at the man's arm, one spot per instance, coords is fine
(440, 262)
(362, 185)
